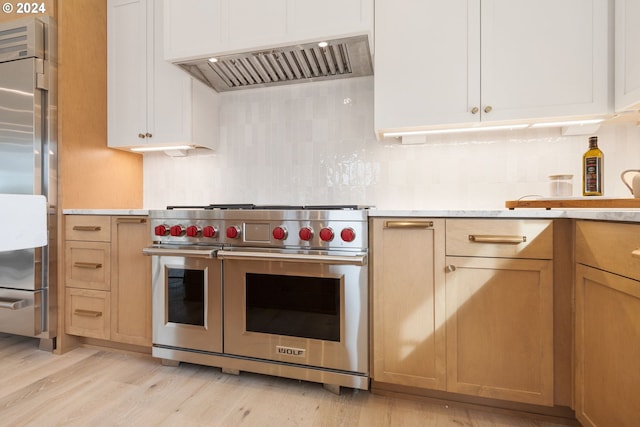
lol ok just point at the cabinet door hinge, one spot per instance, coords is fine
(42, 74)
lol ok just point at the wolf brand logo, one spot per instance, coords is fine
(290, 351)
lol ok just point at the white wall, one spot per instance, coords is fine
(314, 143)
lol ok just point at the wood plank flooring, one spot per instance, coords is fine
(97, 387)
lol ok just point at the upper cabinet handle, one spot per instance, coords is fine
(87, 228)
(490, 238)
(475, 110)
(408, 224)
(488, 109)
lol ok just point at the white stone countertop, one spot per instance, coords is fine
(624, 215)
(115, 212)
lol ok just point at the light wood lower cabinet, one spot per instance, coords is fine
(107, 279)
(408, 302)
(130, 281)
(500, 328)
(607, 378)
(499, 308)
(464, 306)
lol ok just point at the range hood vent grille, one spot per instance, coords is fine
(349, 57)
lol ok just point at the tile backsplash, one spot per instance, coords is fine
(314, 144)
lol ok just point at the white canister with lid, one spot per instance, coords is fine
(561, 185)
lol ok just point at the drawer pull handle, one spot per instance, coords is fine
(131, 220)
(87, 313)
(93, 265)
(408, 224)
(87, 228)
(636, 253)
(489, 238)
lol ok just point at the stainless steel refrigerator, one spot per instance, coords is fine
(28, 166)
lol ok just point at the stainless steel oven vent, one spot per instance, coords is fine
(341, 58)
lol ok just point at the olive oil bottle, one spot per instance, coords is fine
(592, 163)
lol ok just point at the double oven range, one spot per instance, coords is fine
(278, 290)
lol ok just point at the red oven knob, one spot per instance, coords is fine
(193, 231)
(161, 230)
(326, 234)
(306, 233)
(279, 233)
(209, 231)
(233, 232)
(347, 234)
(177, 230)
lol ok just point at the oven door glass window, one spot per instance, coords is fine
(186, 296)
(306, 307)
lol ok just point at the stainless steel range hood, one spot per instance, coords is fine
(340, 58)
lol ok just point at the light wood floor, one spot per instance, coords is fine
(96, 387)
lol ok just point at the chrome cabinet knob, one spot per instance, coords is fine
(475, 110)
(488, 109)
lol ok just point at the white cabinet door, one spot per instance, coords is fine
(127, 60)
(460, 62)
(151, 101)
(192, 28)
(427, 62)
(627, 55)
(544, 58)
(200, 28)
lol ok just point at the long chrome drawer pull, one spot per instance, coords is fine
(320, 259)
(131, 220)
(12, 304)
(190, 253)
(87, 313)
(489, 238)
(408, 224)
(635, 253)
(93, 265)
(87, 228)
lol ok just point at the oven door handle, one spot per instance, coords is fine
(268, 256)
(187, 253)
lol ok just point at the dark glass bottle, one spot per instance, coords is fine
(592, 164)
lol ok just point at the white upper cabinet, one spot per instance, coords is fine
(150, 101)
(627, 54)
(197, 28)
(461, 62)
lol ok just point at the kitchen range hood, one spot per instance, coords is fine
(332, 59)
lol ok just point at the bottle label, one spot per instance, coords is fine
(592, 174)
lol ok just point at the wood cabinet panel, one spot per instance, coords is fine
(609, 246)
(88, 265)
(130, 281)
(607, 348)
(408, 302)
(94, 228)
(500, 238)
(88, 313)
(500, 328)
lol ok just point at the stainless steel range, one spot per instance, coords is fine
(280, 290)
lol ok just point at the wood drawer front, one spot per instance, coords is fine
(610, 246)
(95, 228)
(88, 313)
(88, 265)
(501, 238)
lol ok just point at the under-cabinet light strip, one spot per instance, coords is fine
(489, 128)
(165, 148)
